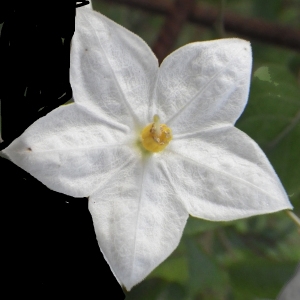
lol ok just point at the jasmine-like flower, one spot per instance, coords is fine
(150, 145)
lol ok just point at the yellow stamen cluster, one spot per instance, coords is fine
(155, 136)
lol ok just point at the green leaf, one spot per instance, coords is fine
(291, 289)
(267, 9)
(172, 291)
(155, 289)
(174, 269)
(259, 278)
(272, 118)
(195, 226)
(147, 290)
(205, 275)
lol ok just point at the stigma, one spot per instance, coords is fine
(155, 136)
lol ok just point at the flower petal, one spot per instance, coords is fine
(139, 222)
(112, 70)
(204, 84)
(89, 5)
(70, 149)
(223, 175)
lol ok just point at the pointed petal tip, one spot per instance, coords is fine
(129, 285)
(240, 43)
(242, 215)
(7, 151)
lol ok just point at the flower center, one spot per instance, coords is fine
(156, 136)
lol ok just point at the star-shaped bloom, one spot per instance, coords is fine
(150, 145)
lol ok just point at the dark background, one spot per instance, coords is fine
(49, 246)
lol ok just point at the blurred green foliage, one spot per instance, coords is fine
(251, 258)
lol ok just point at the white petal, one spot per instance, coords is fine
(112, 70)
(204, 84)
(89, 5)
(138, 220)
(70, 149)
(223, 175)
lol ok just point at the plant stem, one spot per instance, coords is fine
(249, 28)
(220, 21)
(176, 18)
(293, 217)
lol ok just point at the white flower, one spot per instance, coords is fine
(140, 200)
